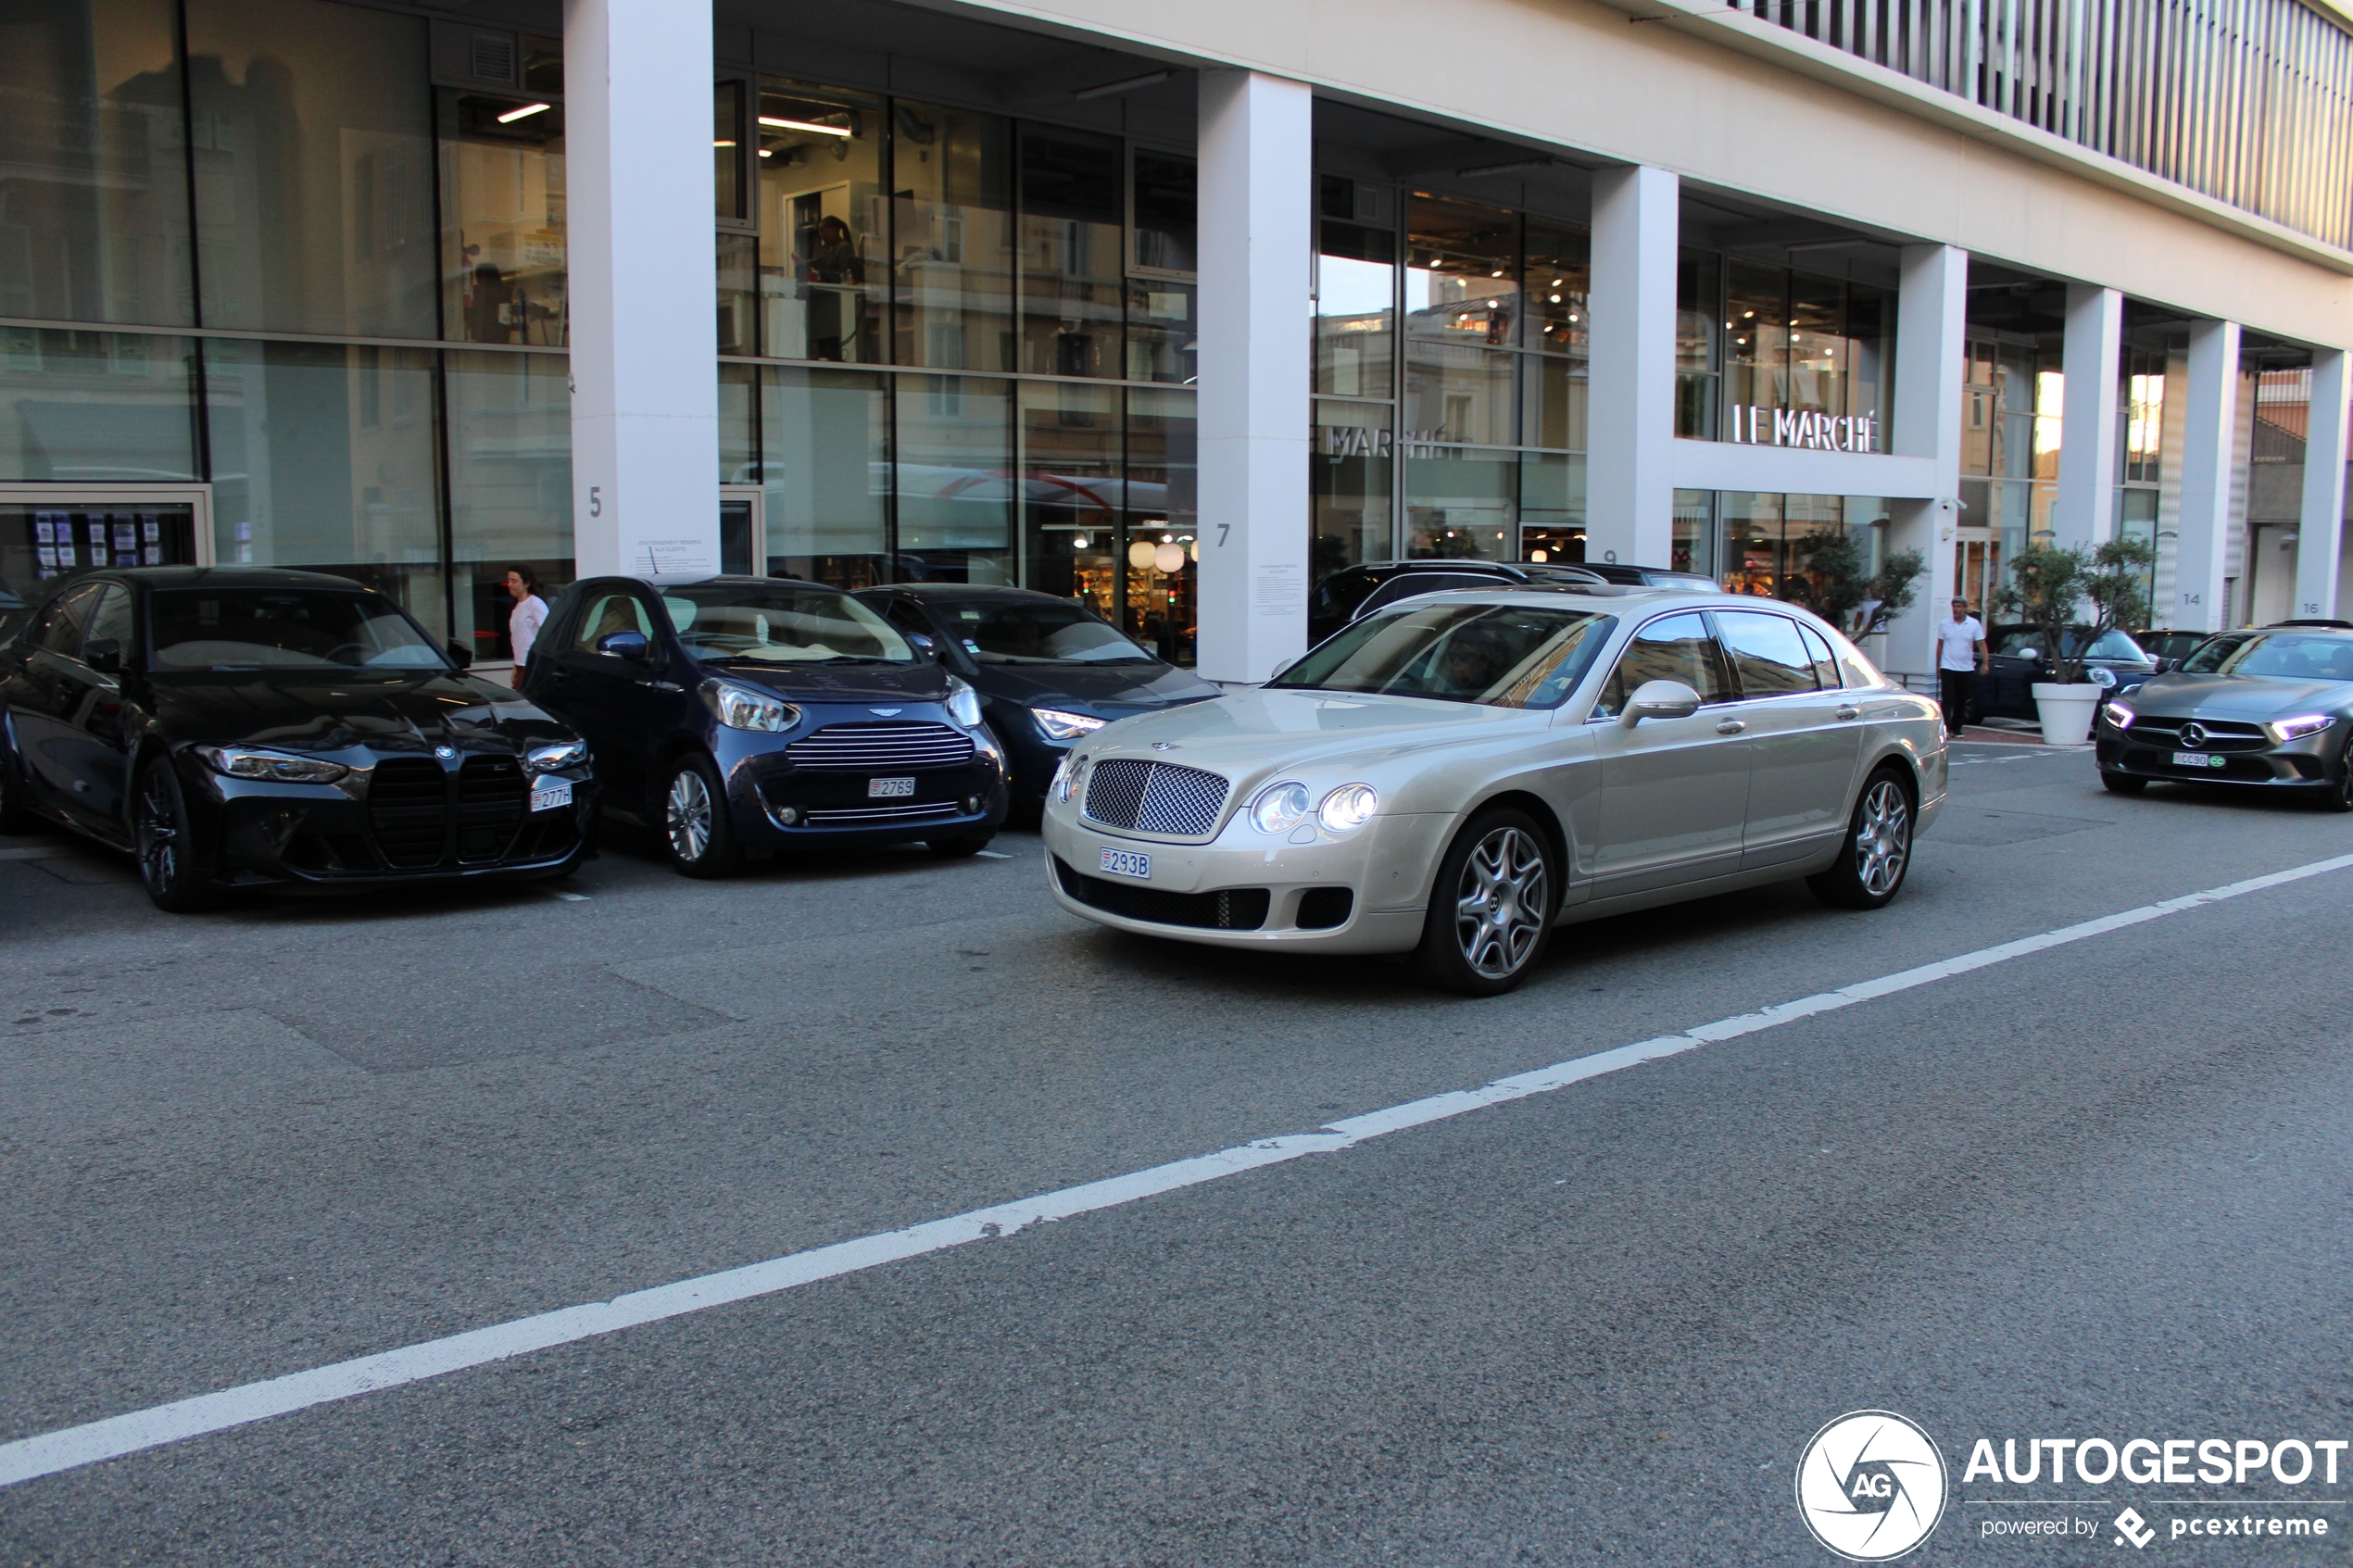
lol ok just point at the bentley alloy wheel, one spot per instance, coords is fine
(1492, 905)
(1878, 849)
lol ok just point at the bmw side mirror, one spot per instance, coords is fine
(624, 644)
(460, 655)
(1660, 699)
(102, 655)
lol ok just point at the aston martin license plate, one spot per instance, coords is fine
(548, 793)
(1127, 862)
(2195, 760)
(889, 789)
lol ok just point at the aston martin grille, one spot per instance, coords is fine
(1155, 797)
(871, 749)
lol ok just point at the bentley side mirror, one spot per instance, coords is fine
(624, 644)
(102, 655)
(460, 655)
(1660, 699)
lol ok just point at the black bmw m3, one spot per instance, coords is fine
(240, 727)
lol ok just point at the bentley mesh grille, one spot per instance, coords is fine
(1155, 797)
(879, 749)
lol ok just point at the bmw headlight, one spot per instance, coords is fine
(747, 708)
(1279, 808)
(964, 702)
(1348, 808)
(277, 767)
(562, 753)
(2119, 715)
(1068, 775)
(1060, 725)
(2298, 727)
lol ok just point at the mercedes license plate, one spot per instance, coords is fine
(889, 789)
(548, 793)
(2195, 760)
(1127, 862)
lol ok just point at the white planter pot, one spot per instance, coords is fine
(2066, 711)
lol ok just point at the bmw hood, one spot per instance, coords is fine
(2245, 698)
(409, 715)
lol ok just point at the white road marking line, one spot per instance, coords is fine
(74, 1446)
(567, 897)
(33, 852)
(993, 855)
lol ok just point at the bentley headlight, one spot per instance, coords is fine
(1279, 808)
(1068, 775)
(277, 767)
(964, 702)
(1060, 725)
(747, 708)
(1348, 808)
(2298, 727)
(2119, 715)
(562, 753)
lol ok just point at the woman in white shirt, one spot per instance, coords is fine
(524, 620)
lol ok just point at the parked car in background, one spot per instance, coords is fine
(1650, 576)
(2016, 662)
(1452, 776)
(2167, 649)
(2267, 710)
(1048, 671)
(758, 713)
(248, 728)
(1359, 590)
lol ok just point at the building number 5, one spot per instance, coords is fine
(596, 500)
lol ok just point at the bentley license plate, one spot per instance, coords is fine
(1127, 862)
(548, 793)
(2195, 760)
(889, 789)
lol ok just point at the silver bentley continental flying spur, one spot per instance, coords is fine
(1457, 775)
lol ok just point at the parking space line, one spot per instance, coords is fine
(93, 1442)
(994, 854)
(33, 852)
(567, 897)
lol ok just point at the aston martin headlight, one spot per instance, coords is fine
(1348, 808)
(747, 708)
(2119, 715)
(1279, 808)
(2298, 727)
(277, 767)
(964, 702)
(2101, 675)
(1068, 775)
(562, 753)
(1060, 725)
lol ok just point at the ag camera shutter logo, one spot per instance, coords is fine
(1870, 1486)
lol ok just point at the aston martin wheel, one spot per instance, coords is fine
(1877, 851)
(1492, 908)
(166, 850)
(695, 828)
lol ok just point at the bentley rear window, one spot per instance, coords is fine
(286, 629)
(1504, 656)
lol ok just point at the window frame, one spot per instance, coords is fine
(1723, 665)
(1731, 663)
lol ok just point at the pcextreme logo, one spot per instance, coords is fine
(1870, 1486)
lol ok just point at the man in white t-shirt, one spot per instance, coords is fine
(1960, 653)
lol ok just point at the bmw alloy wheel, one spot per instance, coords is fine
(158, 833)
(1499, 910)
(1883, 838)
(687, 815)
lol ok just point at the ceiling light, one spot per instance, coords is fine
(1125, 84)
(717, 143)
(804, 125)
(513, 115)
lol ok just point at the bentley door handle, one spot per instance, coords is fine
(1850, 713)
(1731, 727)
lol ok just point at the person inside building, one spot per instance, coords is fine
(524, 620)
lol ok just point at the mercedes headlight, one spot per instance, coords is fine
(562, 753)
(1060, 725)
(2119, 715)
(277, 767)
(1068, 773)
(748, 708)
(1348, 808)
(964, 702)
(2303, 724)
(1279, 808)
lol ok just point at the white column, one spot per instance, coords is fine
(644, 298)
(1930, 367)
(2208, 443)
(1257, 188)
(2086, 514)
(1630, 419)
(2320, 523)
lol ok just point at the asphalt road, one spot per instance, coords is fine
(2099, 1190)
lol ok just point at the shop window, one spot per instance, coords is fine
(1165, 204)
(314, 169)
(728, 137)
(1355, 310)
(955, 475)
(824, 235)
(1556, 278)
(825, 472)
(1698, 342)
(1164, 511)
(1073, 296)
(503, 259)
(1352, 472)
(93, 202)
(738, 424)
(107, 408)
(739, 294)
(953, 179)
(510, 463)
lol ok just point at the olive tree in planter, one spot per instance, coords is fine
(1851, 596)
(2072, 597)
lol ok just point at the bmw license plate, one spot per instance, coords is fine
(2195, 760)
(1127, 862)
(548, 793)
(891, 789)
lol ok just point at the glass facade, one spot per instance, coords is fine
(1778, 357)
(2010, 431)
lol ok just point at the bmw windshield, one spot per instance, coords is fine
(2285, 655)
(782, 623)
(284, 628)
(1502, 656)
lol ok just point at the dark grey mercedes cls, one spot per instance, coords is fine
(2257, 709)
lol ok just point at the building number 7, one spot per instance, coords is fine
(1223, 529)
